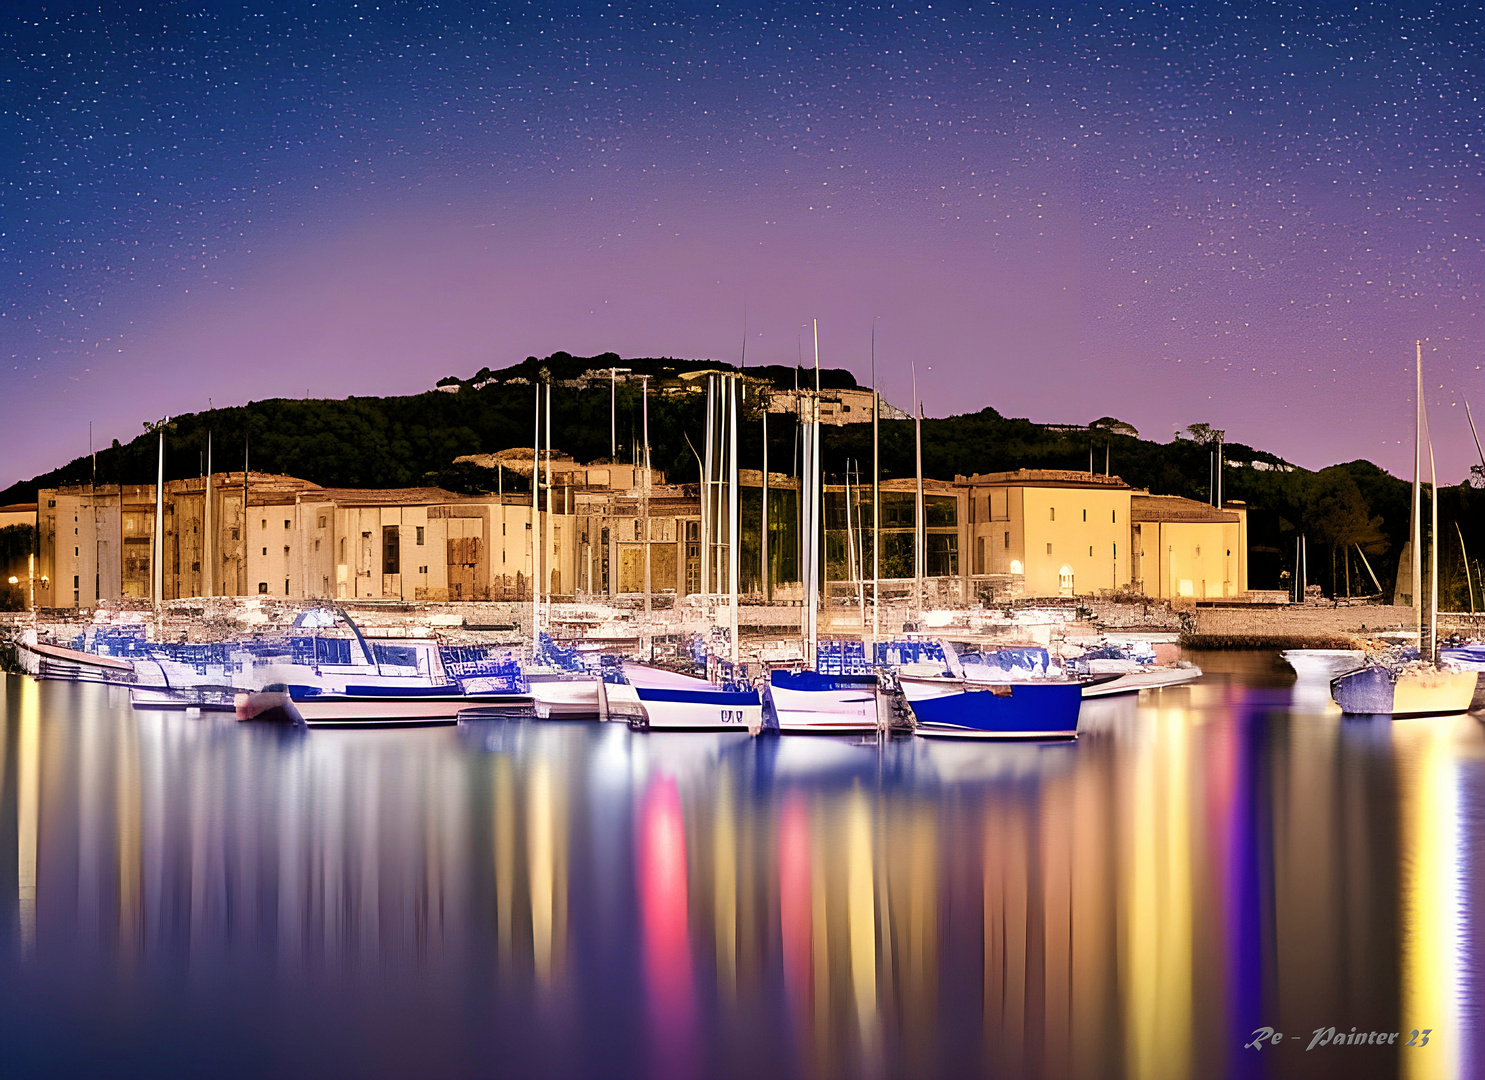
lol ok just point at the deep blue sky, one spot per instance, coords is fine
(1242, 214)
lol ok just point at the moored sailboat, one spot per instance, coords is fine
(1424, 687)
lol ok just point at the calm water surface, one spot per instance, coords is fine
(197, 897)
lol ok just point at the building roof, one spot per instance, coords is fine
(1176, 508)
(1057, 478)
(415, 496)
(18, 508)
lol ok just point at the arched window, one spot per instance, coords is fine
(1065, 580)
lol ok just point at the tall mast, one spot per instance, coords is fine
(645, 490)
(763, 582)
(733, 531)
(1432, 655)
(546, 573)
(817, 531)
(920, 564)
(1417, 537)
(159, 575)
(536, 527)
(708, 521)
(876, 493)
(208, 574)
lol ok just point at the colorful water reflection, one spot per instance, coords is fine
(517, 898)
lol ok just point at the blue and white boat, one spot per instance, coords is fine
(959, 708)
(1009, 694)
(809, 702)
(668, 701)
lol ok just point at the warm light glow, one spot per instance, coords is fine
(1429, 890)
(1016, 567)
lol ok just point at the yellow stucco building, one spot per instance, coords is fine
(1054, 532)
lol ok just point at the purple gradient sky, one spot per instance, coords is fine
(1240, 214)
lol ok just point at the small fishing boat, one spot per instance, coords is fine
(1108, 678)
(48, 661)
(675, 702)
(952, 707)
(808, 702)
(1323, 663)
(1416, 689)
(383, 705)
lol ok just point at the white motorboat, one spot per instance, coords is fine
(671, 701)
(1323, 663)
(806, 701)
(1112, 677)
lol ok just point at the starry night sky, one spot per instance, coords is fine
(1241, 214)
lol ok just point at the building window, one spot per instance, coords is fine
(1085, 515)
(1008, 541)
(322, 521)
(265, 523)
(286, 523)
(391, 550)
(1054, 513)
(1016, 567)
(263, 587)
(422, 570)
(265, 551)
(1116, 551)
(286, 551)
(286, 586)
(1090, 551)
(1049, 549)
(1114, 516)
(420, 536)
(317, 545)
(75, 553)
(1198, 551)
(234, 534)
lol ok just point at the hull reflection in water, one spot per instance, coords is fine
(199, 897)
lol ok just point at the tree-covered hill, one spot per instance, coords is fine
(403, 441)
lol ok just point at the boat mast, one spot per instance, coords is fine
(545, 569)
(208, 577)
(733, 531)
(535, 528)
(876, 494)
(1432, 655)
(645, 491)
(159, 575)
(707, 520)
(1417, 526)
(919, 532)
(763, 582)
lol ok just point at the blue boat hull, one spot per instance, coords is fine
(1021, 710)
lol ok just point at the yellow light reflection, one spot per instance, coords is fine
(724, 889)
(1157, 954)
(505, 857)
(28, 811)
(539, 844)
(1429, 879)
(861, 917)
